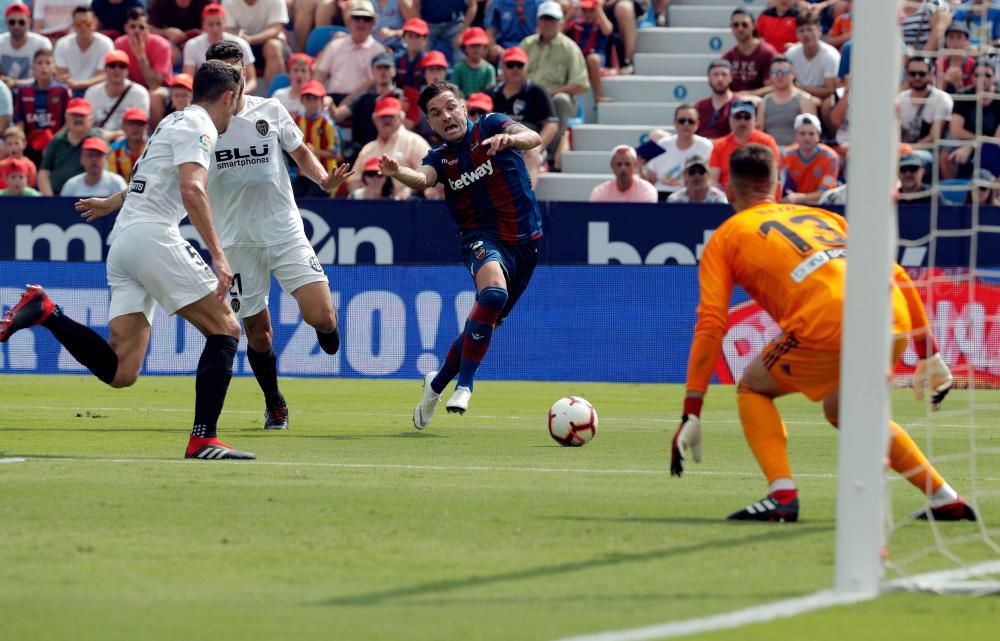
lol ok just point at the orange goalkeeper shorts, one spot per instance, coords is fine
(797, 367)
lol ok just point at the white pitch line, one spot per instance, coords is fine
(727, 620)
(930, 581)
(13, 459)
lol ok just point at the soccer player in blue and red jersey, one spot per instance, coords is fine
(489, 195)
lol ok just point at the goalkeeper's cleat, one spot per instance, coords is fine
(459, 401)
(212, 449)
(768, 509)
(33, 309)
(955, 511)
(424, 411)
(276, 418)
(933, 373)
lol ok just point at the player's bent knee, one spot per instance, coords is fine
(325, 322)
(493, 297)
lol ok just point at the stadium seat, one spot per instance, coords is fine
(954, 191)
(279, 82)
(319, 36)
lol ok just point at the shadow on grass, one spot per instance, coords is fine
(258, 432)
(429, 588)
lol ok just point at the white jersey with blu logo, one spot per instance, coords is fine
(154, 193)
(249, 188)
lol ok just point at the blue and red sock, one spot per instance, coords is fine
(479, 331)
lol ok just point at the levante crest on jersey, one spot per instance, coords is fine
(262, 127)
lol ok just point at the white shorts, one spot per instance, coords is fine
(151, 263)
(294, 264)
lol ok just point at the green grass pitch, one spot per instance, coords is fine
(353, 526)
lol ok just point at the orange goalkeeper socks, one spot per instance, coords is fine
(765, 433)
(906, 458)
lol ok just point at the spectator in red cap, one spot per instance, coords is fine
(407, 62)
(300, 68)
(113, 97)
(319, 134)
(474, 74)
(345, 65)
(434, 67)
(42, 104)
(359, 110)
(61, 160)
(526, 103)
(80, 55)
(374, 186)
(150, 58)
(94, 181)
(19, 45)
(213, 25)
(590, 31)
(15, 177)
(176, 96)
(14, 141)
(125, 151)
(478, 105)
(394, 140)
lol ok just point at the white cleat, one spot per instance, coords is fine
(424, 411)
(459, 401)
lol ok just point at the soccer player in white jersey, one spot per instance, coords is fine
(261, 228)
(150, 262)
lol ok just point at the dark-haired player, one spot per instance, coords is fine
(489, 195)
(149, 262)
(791, 259)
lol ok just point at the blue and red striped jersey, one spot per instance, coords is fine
(487, 194)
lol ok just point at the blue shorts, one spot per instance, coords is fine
(517, 262)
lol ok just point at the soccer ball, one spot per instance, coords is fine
(572, 421)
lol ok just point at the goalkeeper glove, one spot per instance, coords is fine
(932, 372)
(687, 437)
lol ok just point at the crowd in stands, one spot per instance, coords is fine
(87, 83)
(786, 84)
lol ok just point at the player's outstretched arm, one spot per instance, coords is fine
(310, 167)
(421, 178)
(194, 177)
(514, 135)
(93, 208)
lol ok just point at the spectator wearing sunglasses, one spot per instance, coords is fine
(970, 118)
(526, 103)
(626, 186)
(478, 105)
(19, 45)
(742, 122)
(912, 188)
(666, 168)
(779, 109)
(924, 110)
(115, 96)
(374, 186)
(697, 185)
(345, 65)
(80, 55)
(751, 57)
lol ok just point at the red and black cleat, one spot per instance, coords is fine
(276, 418)
(33, 308)
(768, 509)
(212, 449)
(955, 511)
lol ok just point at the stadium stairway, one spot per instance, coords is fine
(670, 68)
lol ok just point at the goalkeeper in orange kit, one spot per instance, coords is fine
(791, 260)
